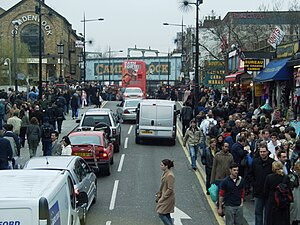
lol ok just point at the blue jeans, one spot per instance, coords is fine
(193, 154)
(166, 218)
(74, 113)
(260, 213)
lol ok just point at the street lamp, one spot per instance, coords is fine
(60, 51)
(84, 52)
(38, 10)
(182, 51)
(15, 24)
(109, 56)
(7, 62)
(196, 91)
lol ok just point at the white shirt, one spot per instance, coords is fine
(271, 148)
(205, 124)
(66, 150)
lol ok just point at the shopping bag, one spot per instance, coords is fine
(214, 192)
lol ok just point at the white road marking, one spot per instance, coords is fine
(126, 143)
(114, 195)
(129, 131)
(108, 223)
(121, 163)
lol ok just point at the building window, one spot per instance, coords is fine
(30, 36)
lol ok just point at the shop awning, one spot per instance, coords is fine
(275, 70)
(232, 77)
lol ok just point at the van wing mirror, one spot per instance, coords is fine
(82, 198)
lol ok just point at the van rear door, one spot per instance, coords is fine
(164, 121)
(17, 215)
(147, 120)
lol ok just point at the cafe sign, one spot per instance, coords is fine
(253, 64)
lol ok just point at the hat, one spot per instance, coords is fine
(244, 113)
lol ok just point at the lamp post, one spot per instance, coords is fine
(60, 51)
(109, 56)
(39, 12)
(84, 52)
(15, 24)
(7, 62)
(196, 91)
(182, 42)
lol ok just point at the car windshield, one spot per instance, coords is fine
(133, 90)
(85, 140)
(92, 120)
(131, 103)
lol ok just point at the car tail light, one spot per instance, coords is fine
(125, 95)
(114, 131)
(126, 111)
(103, 155)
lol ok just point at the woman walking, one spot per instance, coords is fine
(66, 146)
(275, 215)
(33, 136)
(165, 198)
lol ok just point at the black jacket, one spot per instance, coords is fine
(5, 153)
(186, 113)
(258, 173)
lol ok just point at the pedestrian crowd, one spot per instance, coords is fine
(25, 117)
(247, 151)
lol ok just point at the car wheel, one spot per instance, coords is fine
(137, 140)
(112, 160)
(107, 170)
(95, 197)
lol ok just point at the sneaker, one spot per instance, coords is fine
(194, 168)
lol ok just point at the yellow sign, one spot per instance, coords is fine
(258, 90)
(253, 64)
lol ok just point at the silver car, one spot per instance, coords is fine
(127, 109)
(83, 177)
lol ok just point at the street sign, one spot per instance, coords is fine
(253, 64)
(276, 37)
(178, 215)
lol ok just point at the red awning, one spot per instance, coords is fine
(232, 77)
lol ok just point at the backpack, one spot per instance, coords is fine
(283, 195)
(47, 130)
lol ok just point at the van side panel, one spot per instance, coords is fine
(17, 216)
(59, 207)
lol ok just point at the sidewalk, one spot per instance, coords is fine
(68, 125)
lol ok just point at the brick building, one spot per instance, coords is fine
(56, 30)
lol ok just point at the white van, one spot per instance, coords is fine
(156, 119)
(38, 197)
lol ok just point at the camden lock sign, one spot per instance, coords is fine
(253, 64)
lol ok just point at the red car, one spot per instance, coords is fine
(94, 148)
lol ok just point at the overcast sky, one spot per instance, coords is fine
(139, 22)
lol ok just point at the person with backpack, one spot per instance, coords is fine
(46, 130)
(279, 196)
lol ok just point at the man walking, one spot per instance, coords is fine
(5, 152)
(47, 130)
(56, 146)
(185, 116)
(221, 165)
(193, 138)
(232, 195)
(261, 167)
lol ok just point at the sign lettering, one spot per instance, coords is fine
(253, 64)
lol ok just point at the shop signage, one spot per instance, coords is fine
(253, 64)
(276, 37)
(28, 19)
(258, 90)
(215, 73)
(287, 50)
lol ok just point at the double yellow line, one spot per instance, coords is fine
(200, 174)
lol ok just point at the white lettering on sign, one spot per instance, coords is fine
(132, 65)
(35, 18)
(276, 37)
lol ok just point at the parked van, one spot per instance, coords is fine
(156, 119)
(39, 197)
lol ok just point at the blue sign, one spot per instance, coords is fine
(54, 214)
